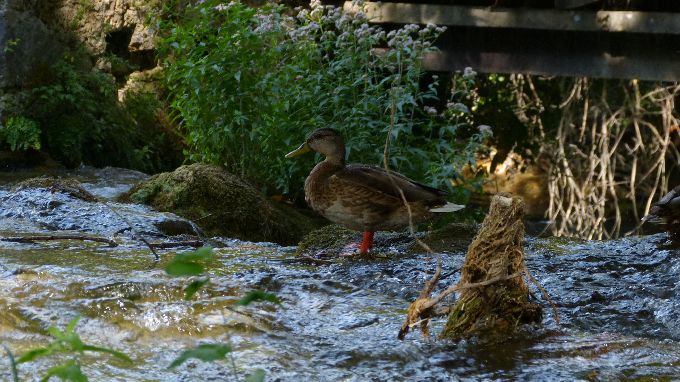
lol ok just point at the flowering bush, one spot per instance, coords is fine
(250, 84)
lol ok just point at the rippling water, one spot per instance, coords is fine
(618, 302)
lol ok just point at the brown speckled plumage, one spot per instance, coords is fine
(362, 197)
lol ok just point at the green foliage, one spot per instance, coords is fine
(258, 295)
(12, 362)
(68, 371)
(67, 342)
(204, 352)
(73, 113)
(193, 263)
(11, 45)
(21, 133)
(248, 85)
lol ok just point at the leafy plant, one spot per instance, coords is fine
(204, 352)
(67, 342)
(21, 133)
(73, 113)
(195, 263)
(248, 84)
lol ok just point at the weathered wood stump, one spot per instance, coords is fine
(494, 299)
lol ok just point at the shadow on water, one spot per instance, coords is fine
(617, 300)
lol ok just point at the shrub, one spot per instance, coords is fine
(21, 133)
(248, 85)
(73, 113)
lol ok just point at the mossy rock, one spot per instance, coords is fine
(66, 186)
(453, 237)
(222, 204)
(334, 239)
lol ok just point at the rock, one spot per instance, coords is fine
(26, 44)
(45, 205)
(222, 204)
(67, 186)
(334, 240)
(35, 34)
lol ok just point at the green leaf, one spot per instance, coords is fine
(189, 263)
(184, 269)
(200, 254)
(114, 353)
(257, 376)
(13, 363)
(71, 327)
(258, 295)
(68, 371)
(204, 352)
(33, 354)
(192, 288)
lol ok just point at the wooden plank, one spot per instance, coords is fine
(571, 4)
(653, 68)
(521, 18)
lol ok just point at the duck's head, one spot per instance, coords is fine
(327, 142)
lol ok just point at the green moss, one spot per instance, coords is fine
(331, 238)
(222, 204)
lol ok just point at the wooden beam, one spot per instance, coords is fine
(604, 65)
(521, 18)
(571, 4)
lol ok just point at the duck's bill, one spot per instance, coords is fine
(303, 149)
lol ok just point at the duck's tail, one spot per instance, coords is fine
(448, 207)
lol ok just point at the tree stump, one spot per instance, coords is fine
(494, 299)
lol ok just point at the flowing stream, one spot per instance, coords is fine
(618, 301)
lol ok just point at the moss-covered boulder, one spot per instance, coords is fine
(222, 204)
(334, 240)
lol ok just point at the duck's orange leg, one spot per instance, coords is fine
(367, 242)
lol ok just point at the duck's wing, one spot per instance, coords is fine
(370, 179)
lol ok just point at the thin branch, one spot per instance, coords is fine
(32, 239)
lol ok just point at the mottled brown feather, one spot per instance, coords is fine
(363, 197)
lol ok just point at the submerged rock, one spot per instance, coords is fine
(222, 204)
(335, 240)
(45, 205)
(65, 185)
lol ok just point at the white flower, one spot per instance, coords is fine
(485, 130)
(430, 110)
(469, 73)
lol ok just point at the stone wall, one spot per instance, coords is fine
(35, 33)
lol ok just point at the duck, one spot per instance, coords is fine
(666, 212)
(363, 197)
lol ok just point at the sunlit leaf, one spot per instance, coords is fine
(184, 269)
(200, 254)
(192, 288)
(71, 327)
(189, 263)
(33, 354)
(257, 376)
(204, 352)
(68, 371)
(258, 295)
(114, 353)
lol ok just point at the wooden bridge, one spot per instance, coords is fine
(558, 40)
